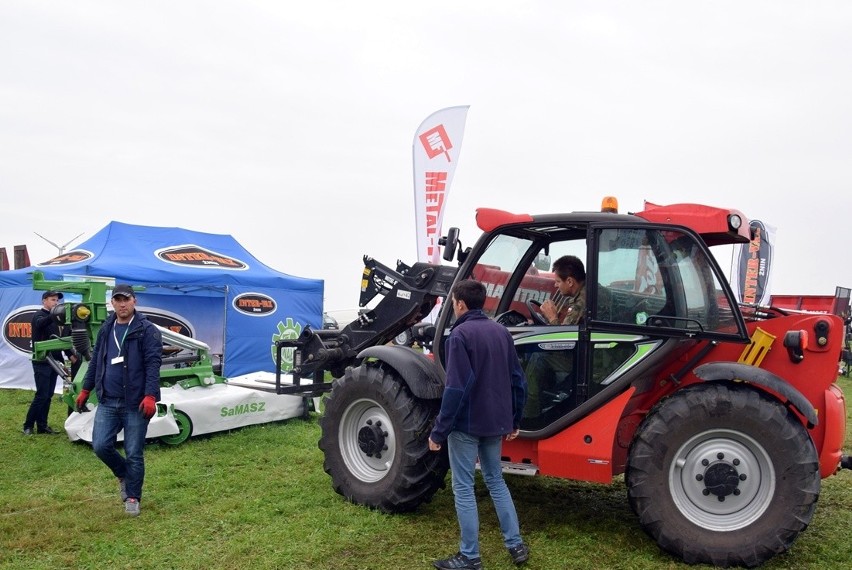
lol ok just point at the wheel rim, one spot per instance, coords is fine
(367, 440)
(184, 430)
(722, 480)
(401, 338)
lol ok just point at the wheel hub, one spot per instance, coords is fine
(367, 440)
(721, 478)
(371, 439)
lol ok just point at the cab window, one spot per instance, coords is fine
(521, 268)
(659, 278)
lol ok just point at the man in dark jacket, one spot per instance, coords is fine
(44, 327)
(483, 401)
(125, 374)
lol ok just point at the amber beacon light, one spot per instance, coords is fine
(609, 204)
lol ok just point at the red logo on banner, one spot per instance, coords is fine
(436, 188)
(436, 141)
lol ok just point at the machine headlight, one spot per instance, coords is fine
(735, 221)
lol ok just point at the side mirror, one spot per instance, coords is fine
(542, 261)
(449, 242)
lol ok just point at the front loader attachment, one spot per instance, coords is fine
(408, 295)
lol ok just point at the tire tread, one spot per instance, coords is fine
(645, 476)
(419, 473)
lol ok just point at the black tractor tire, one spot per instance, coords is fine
(723, 474)
(375, 438)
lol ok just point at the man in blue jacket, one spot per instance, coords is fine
(483, 401)
(125, 374)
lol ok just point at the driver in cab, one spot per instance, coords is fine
(569, 306)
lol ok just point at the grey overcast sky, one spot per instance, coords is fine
(289, 125)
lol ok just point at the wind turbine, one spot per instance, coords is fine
(61, 248)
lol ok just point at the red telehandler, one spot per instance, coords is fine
(722, 418)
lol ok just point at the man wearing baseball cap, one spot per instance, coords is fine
(125, 374)
(44, 327)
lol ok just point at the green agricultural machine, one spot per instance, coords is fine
(194, 399)
(186, 362)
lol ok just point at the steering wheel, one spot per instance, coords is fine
(511, 318)
(534, 307)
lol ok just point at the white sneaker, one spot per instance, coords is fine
(131, 507)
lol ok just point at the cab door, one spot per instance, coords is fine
(658, 280)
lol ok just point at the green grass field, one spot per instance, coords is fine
(258, 498)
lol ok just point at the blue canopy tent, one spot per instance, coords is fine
(206, 286)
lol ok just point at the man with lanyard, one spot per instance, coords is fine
(125, 374)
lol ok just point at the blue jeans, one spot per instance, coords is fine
(111, 416)
(463, 450)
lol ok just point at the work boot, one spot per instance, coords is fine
(131, 507)
(458, 562)
(520, 553)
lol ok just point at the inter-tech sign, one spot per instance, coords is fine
(190, 255)
(255, 304)
(67, 258)
(168, 320)
(17, 328)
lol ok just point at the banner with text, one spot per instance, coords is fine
(750, 278)
(436, 149)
